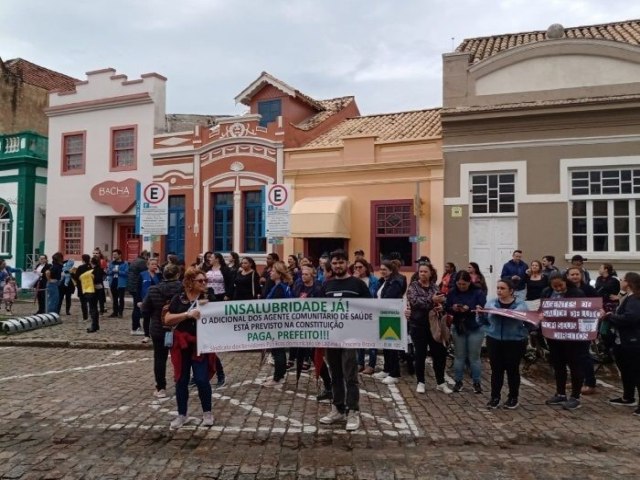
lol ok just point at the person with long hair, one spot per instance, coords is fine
(506, 342)
(423, 297)
(566, 353)
(233, 263)
(362, 270)
(219, 279)
(183, 314)
(246, 285)
(477, 278)
(625, 324)
(41, 284)
(149, 277)
(152, 305)
(576, 279)
(294, 268)
(88, 281)
(54, 277)
(535, 280)
(462, 302)
(389, 286)
(281, 279)
(608, 286)
(448, 279)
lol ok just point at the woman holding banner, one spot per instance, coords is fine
(566, 353)
(626, 350)
(183, 314)
(390, 286)
(281, 278)
(506, 342)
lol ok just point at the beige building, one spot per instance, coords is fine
(372, 183)
(542, 147)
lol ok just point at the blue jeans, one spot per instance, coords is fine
(200, 376)
(468, 346)
(373, 355)
(53, 297)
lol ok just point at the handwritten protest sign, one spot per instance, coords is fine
(302, 322)
(570, 318)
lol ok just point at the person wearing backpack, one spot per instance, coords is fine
(281, 278)
(157, 297)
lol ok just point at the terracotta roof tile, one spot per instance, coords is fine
(481, 48)
(330, 107)
(39, 76)
(419, 124)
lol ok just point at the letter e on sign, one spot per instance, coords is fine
(277, 195)
(154, 193)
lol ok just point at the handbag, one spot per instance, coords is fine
(438, 327)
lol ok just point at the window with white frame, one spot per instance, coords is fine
(605, 210)
(493, 193)
(6, 223)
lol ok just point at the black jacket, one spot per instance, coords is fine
(626, 322)
(392, 288)
(136, 267)
(156, 298)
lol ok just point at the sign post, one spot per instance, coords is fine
(152, 208)
(278, 206)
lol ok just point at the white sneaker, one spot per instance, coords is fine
(160, 394)
(137, 332)
(444, 388)
(380, 375)
(353, 421)
(178, 422)
(421, 388)
(390, 380)
(273, 383)
(333, 416)
(207, 419)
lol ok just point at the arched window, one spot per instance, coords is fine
(6, 225)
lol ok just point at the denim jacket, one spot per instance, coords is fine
(503, 328)
(123, 271)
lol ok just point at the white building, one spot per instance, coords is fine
(100, 142)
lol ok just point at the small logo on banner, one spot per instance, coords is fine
(390, 328)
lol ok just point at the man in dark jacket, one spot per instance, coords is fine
(152, 304)
(515, 270)
(136, 267)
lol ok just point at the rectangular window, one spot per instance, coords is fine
(605, 216)
(71, 237)
(123, 148)
(394, 225)
(223, 222)
(5, 228)
(269, 111)
(254, 227)
(73, 153)
(493, 193)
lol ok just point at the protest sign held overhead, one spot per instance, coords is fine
(303, 322)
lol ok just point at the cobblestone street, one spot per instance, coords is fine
(88, 412)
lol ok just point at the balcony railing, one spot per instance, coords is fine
(23, 144)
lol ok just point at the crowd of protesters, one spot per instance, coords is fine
(166, 298)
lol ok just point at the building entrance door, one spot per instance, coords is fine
(492, 241)
(130, 243)
(315, 247)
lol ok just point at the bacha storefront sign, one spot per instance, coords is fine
(120, 196)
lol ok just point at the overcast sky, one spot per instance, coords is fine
(388, 53)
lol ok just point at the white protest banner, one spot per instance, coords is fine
(302, 322)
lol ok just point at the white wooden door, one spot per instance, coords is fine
(492, 241)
